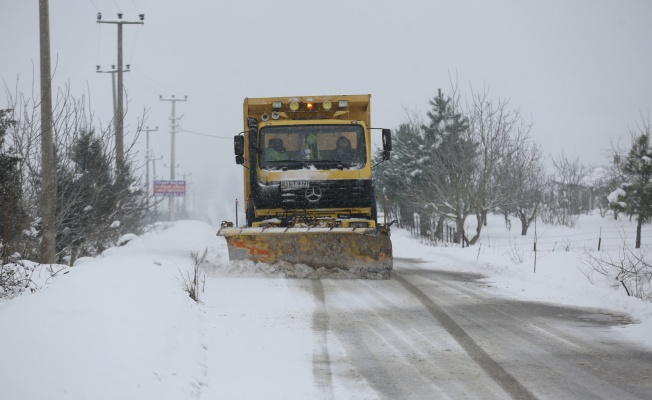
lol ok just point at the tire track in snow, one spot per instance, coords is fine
(352, 321)
(494, 370)
(321, 363)
(575, 354)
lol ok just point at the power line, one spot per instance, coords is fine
(206, 134)
(143, 76)
(133, 44)
(135, 6)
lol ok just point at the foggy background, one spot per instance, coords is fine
(581, 70)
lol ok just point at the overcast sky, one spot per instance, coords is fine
(581, 70)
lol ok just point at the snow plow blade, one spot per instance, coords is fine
(315, 252)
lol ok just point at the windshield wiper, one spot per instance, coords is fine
(337, 163)
(295, 164)
(279, 164)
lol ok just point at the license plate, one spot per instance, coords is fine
(294, 184)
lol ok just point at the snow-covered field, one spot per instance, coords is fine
(121, 326)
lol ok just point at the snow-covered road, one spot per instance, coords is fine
(423, 334)
(433, 334)
(121, 326)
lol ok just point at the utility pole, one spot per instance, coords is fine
(118, 115)
(185, 198)
(48, 184)
(112, 71)
(148, 157)
(173, 132)
(154, 159)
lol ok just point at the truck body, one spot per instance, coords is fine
(308, 189)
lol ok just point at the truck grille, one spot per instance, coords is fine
(319, 194)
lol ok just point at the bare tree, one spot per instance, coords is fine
(566, 191)
(501, 136)
(82, 192)
(527, 172)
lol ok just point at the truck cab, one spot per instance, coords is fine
(308, 161)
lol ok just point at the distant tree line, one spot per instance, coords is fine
(474, 157)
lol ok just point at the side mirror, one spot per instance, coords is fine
(387, 143)
(238, 145)
(387, 140)
(238, 149)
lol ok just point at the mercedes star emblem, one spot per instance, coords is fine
(313, 194)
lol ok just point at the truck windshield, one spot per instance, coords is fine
(303, 146)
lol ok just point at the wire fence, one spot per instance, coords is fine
(545, 238)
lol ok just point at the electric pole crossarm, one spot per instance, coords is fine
(113, 71)
(122, 22)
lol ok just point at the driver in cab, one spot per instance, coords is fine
(275, 151)
(343, 150)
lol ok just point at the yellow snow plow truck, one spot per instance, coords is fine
(310, 203)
